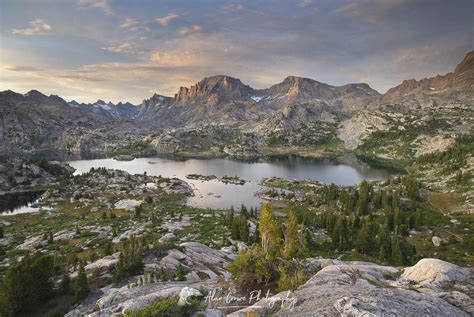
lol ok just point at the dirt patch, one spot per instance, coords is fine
(447, 202)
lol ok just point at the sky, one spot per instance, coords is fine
(119, 50)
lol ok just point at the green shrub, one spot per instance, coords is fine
(167, 307)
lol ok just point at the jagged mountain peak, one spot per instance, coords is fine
(101, 102)
(35, 94)
(214, 89)
(296, 79)
(156, 99)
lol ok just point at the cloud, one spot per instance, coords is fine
(130, 23)
(134, 25)
(179, 58)
(164, 21)
(97, 4)
(377, 41)
(189, 30)
(21, 68)
(39, 28)
(233, 7)
(305, 3)
(122, 48)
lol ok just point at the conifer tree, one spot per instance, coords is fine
(362, 242)
(418, 218)
(302, 238)
(65, 281)
(26, 285)
(269, 232)
(397, 256)
(291, 235)
(243, 229)
(235, 230)
(243, 211)
(82, 283)
(384, 245)
(230, 217)
(340, 234)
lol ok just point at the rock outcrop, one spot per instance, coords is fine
(366, 289)
(206, 269)
(432, 287)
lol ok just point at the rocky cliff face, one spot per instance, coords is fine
(227, 101)
(217, 100)
(216, 89)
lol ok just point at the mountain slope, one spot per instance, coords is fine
(414, 113)
(34, 120)
(295, 89)
(458, 83)
(217, 100)
(224, 100)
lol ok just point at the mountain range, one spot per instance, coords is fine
(34, 120)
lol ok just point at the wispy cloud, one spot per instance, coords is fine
(127, 48)
(164, 21)
(233, 7)
(39, 27)
(189, 30)
(179, 58)
(134, 25)
(378, 41)
(20, 68)
(305, 3)
(129, 23)
(103, 5)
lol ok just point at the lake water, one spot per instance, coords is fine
(216, 195)
(19, 203)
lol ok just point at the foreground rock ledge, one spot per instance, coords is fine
(432, 287)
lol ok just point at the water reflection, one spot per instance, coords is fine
(21, 202)
(214, 194)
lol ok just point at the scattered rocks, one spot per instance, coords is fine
(186, 294)
(128, 204)
(104, 265)
(436, 241)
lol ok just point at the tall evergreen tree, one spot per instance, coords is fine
(230, 217)
(243, 229)
(397, 255)
(363, 241)
(291, 234)
(235, 230)
(269, 232)
(243, 211)
(27, 284)
(302, 238)
(340, 234)
(82, 283)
